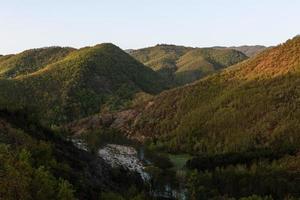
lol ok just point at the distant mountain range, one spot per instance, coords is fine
(249, 51)
(180, 65)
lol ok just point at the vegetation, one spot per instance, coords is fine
(180, 65)
(250, 105)
(275, 180)
(179, 160)
(37, 163)
(99, 138)
(30, 61)
(63, 88)
(249, 51)
(212, 161)
(22, 180)
(231, 135)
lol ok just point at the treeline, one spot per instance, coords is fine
(266, 180)
(266, 173)
(98, 138)
(212, 161)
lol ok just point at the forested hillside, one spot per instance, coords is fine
(252, 104)
(248, 50)
(180, 65)
(238, 127)
(30, 61)
(62, 84)
(37, 163)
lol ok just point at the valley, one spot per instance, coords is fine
(164, 122)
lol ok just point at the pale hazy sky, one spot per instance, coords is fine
(28, 24)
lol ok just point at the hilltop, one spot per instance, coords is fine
(69, 84)
(180, 65)
(248, 50)
(30, 61)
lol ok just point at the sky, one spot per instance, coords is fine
(26, 24)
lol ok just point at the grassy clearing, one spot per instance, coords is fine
(179, 160)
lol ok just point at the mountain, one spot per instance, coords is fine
(249, 105)
(248, 50)
(180, 65)
(30, 61)
(233, 134)
(62, 85)
(129, 50)
(254, 103)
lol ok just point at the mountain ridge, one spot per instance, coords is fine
(248, 50)
(80, 83)
(181, 65)
(31, 60)
(243, 106)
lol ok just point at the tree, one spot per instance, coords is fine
(43, 184)
(65, 190)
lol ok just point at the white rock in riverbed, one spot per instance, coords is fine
(125, 156)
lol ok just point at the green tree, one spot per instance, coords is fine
(65, 190)
(111, 196)
(43, 184)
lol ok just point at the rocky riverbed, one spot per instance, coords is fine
(130, 159)
(123, 156)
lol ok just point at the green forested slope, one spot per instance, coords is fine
(249, 105)
(82, 83)
(37, 163)
(180, 65)
(248, 50)
(30, 60)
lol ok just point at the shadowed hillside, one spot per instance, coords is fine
(37, 163)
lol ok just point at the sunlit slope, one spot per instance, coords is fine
(255, 103)
(84, 82)
(30, 61)
(180, 65)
